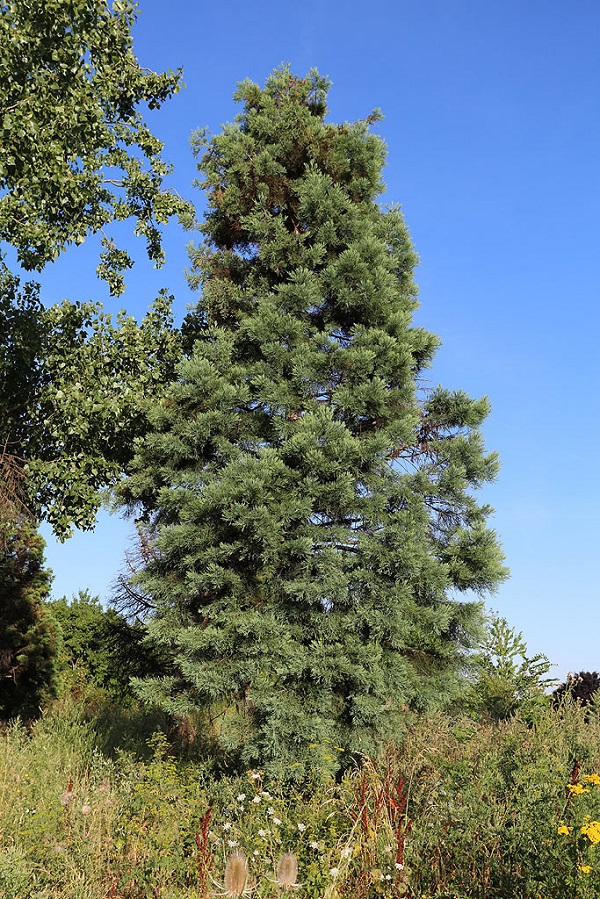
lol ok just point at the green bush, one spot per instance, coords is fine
(101, 648)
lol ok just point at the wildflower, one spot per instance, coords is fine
(276, 822)
(232, 843)
(241, 797)
(227, 825)
(301, 827)
(346, 852)
(334, 872)
(262, 833)
(577, 789)
(265, 794)
(256, 800)
(592, 779)
(86, 809)
(270, 810)
(399, 866)
(585, 869)
(591, 830)
(563, 829)
(313, 844)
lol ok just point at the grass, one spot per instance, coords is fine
(459, 810)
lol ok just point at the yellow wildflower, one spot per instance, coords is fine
(585, 869)
(563, 829)
(591, 830)
(576, 789)
(592, 779)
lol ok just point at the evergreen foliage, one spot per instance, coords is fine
(28, 637)
(305, 504)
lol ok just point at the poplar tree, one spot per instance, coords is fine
(76, 153)
(77, 159)
(74, 389)
(304, 503)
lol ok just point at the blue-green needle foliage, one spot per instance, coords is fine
(305, 505)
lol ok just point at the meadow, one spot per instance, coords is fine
(105, 803)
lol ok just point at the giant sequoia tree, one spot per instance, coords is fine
(305, 506)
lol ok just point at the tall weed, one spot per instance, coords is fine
(457, 810)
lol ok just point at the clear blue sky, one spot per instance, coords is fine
(492, 120)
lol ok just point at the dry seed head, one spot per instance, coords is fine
(236, 875)
(287, 871)
(66, 798)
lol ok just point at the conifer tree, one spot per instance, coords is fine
(305, 505)
(28, 635)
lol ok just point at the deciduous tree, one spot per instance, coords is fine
(75, 388)
(76, 156)
(100, 647)
(75, 151)
(581, 686)
(507, 679)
